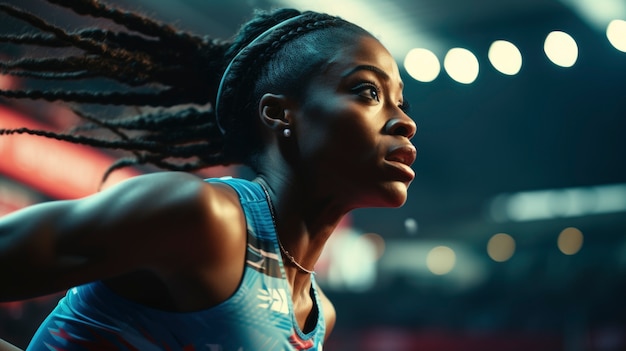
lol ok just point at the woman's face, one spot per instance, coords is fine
(351, 133)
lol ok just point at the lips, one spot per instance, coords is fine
(400, 160)
(405, 154)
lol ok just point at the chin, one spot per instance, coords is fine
(387, 195)
(395, 195)
(398, 202)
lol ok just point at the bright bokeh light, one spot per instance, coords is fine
(561, 49)
(351, 260)
(616, 33)
(570, 241)
(378, 241)
(501, 247)
(411, 226)
(505, 57)
(441, 260)
(461, 65)
(422, 65)
(559, 203)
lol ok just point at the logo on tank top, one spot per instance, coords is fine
(274, 299)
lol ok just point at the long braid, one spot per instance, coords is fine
(161, 67)
(51, 76)
(134, 60)
(159, 121)
(96, 121)
(162, 98)
(74, 68)
(33, 39)
(129, 20)
(80, 139)
(119, 40)
(62, 65)
(59, 33)
(99, 123)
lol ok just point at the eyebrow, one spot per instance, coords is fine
(370, 68)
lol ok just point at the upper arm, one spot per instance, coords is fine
(141, 223)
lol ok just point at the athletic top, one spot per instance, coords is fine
(258, 316)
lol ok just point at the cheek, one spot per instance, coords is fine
(356, 142)
(314, 127)
(338, 138)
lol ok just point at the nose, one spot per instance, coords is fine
(403, 126)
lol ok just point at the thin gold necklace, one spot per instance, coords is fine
(282, 249)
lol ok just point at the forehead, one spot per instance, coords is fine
(364, 51)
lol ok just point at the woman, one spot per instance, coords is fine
(312, 103)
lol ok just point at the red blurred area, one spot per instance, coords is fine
(13, 197)
(58, 169)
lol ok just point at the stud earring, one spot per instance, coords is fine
(287, 132)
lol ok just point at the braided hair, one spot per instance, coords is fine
(179, 74)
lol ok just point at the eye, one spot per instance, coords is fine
(368, 91)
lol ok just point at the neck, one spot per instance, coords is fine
(303, 224)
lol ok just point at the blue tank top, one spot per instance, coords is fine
(258, 316)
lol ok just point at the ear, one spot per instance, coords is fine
(272, 111)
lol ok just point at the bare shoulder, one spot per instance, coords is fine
(330, 315)
(197, 219)
(173, 194)
(223, 226)
(198, 236)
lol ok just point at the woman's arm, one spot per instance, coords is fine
(134, 225)
(5, 346)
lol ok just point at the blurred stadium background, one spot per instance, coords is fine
(514, 235)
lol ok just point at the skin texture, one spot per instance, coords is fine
(5, 346)
(184, 240)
